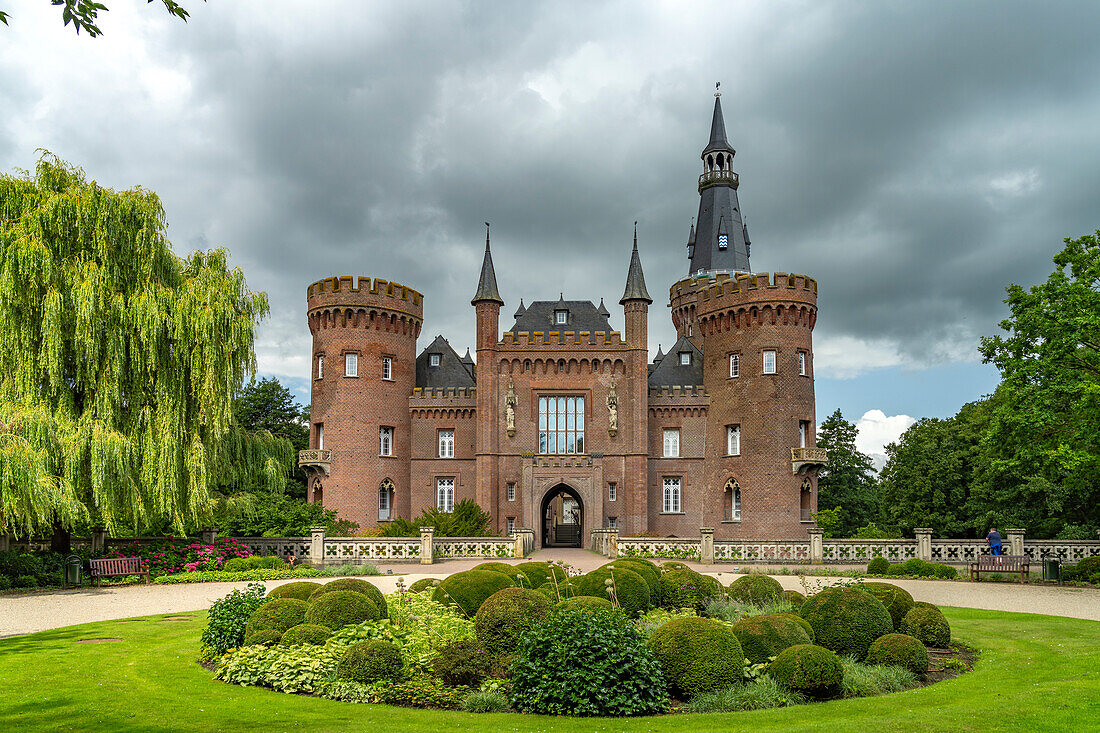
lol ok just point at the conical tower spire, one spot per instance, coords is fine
(487, 285)
(718, 139)
(635, 280)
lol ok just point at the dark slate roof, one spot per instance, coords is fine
(668, 371)
(451, 372)
(635, 280)
(487, 285)
(718, 139)
(583, 316)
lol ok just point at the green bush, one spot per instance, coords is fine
(263, 637)
(485, 701)
(809, 669)
(944, 571)
(424, 584)
(793, 615)
(538, 573)
(649, 572)
(673, 565)
(462, 663)
(5, 582)
(586, 663)
(25, 581)
(469, 589)
(557, 590)
(228, 616)
(301, 590)
(878, 566)
(355, 586)
(505, 615)
(762, 637)
(897, 600)
(220, 576)
(685, 588)
(756, 589)
(370, 661)
(286, 669)
(277, 615)
(422, 692)
(629, 587)
(581, 603)
(354, 568)
(928, 625)
(794, 598)
(846, 620)
(1088, 566)
(255, 562)
(311, 634)
(762, 693)
(518, 578)
(340, 608)
(899, 650)
(913, 566)
(697, 655)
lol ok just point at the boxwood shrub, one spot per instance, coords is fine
(756, 589)
(897, 600)
(311, 634)
(263, 637)
(370, 661)
(538, 573)
(469, 589)
(355, 586)
(698, 655)
(581, 603)
(809, 669)
(277, 615)
(517, 576)
(505, 615)
(793, 615)
(927, 623)
(878, 566)
(762, 637)
(899, 650)
(424, 584)
(339, 608)
(1088, 566)
(631, 590)
(794, 598)
(300, 589)
(647, 570)
(846, 619)
(558, 591)
(685, 588)
(255, 562)
(462, 663)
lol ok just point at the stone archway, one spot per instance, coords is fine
(562, 517)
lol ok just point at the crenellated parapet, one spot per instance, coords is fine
(350, 302)
(556, 339)
(678, 401)
(727, 301)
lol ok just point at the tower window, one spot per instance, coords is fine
(671, 496)
(433, 360)
(612, 522)
(802, 363)
(511, 525)
(803, 432)
(320, 436)
(804, 498)
(611, 491)
(733, 440)
(321, 366)
(723, 241)
(445, 494)
(385, 500)
(769, 362)
(561, 317)
(387, 367)
(672, 443)
(733, 501)
(685, 358)
(446, 444)
(351, 365)
(511, 491)
(735, 365)
(385, 441)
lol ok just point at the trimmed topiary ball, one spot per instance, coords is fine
(846, 620)
(943, 570)
(469, 589)
(264, 637)
(649, 572)
(278, 615)
(756, 589)
(505, 615)
(897, 600)
(424, 584)
(685, 588)
(793, 615)
(698, 655)
(355, 586)
(339, 608)
(794, 598)
(810, 669)
(631, 590)
(673, 565)
(312, 634)
(765, 636)
(537, 572)
(518, 578)
(462, 663)
(878, 566)
(899, 650)
(557, 591)
(1088, 566)
(300, 589)
(927, 623)
(370, 661)
(582, 603)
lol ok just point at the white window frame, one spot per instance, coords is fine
(671, 442)
(802, 363)
(685, 358)
(434, 359)
(803, 433)
(387, 368)
(612, 522)
(320, 366)
(672, 495)
(735, 505)
(351, 364)
(612, 491)
(445, 494)
(510, 491)
(769, 353)
(561, 318)
(385, 441)
(559, 425)
(735, 366)
(511, 526)
(446, 443)
(733, 440)
(384, 502)
(320, 436)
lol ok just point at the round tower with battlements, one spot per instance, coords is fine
(364, 370)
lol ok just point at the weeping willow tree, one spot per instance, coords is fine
(118, 363)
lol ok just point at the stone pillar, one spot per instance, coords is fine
(208, 534)
(706, 545)
(613, 543)
(99, 540)
(924, 543)
(1015, 539)
(317, 546)
(817, 545)
(426, 556)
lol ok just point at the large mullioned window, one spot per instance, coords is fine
(561, 425)
(671, 503)
(445, 494)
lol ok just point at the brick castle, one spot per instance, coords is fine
(562, 424)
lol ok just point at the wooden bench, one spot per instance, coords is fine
(110, 567)
(1017, 564)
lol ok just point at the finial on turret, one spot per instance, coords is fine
(635, 234)
(716, 92)
(486, 235)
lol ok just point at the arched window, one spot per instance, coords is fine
(733, 501)
(710, 162)
(719, 161)
(804, 500)
(318, 493)
(385, 500)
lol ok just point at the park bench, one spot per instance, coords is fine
(1000, 564)
(109, 567)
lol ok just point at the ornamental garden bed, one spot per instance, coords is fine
(630, 638)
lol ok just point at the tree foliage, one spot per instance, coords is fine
(84, 14)
(118, 362)
(848, 480)
(467, 520)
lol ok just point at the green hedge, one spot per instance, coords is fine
(505, 615)
(539, 572)
(897, 600)
(899, 650)
(277, 615)
(340, 608)
(370, 661)
(424, 584)
(355, 586)
(846, 620)
(518, 578)
(581, 603)
(256, 562)
(878, 566)
(312, 634)
(762, 637)
(927, 623)
(810, 669)
(794, 598)
(758, 590)
(793, 615)
(685, 588)
(262, 637)
(698, 655)
(558, 591)
(301, 590)
(469, 589)
(630, 588)
(647, 570)
(220, 576)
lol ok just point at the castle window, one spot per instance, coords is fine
(320, 436)
(735, 365)
(733, 440)
(433, 360)
(385, 441)
(672, 443)
(733, 501)
(351, 365)
(723, 241)
(561, 317)
(803, 431)
(802, 363)
(671, 496)
(561, 425)
(612, 522)
(804, 501)
(446, 444)
(511, 491)
(526, 365)
(769, 362)
(387, 367)
(445, 494)
(511, 525)
(385, 500)
(611, 490)
(321, 366)
(685, 358)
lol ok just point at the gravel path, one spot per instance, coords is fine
(27, 613)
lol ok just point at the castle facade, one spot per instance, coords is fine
(564, 425)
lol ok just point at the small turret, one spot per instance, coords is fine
(635, 280)
(487, 285)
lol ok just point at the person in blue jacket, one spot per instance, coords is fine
(994, 540)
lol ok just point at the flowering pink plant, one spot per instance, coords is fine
(173, 555)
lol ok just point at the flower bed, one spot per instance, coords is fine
(181, 555)
(221, 576)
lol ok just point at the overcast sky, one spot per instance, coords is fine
(913, 157)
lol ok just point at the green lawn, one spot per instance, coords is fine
(1036, 673)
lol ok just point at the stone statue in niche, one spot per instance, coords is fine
(510, 408)
(612, 412)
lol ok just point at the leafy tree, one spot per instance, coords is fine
(828, 520)
(85, 13)
(274, 514)
(1044, 438)
(118, 362)
(848, 479)
(267, 405)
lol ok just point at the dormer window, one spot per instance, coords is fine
(433, 360)
(561, 317)
(723, 241)
(685, 358)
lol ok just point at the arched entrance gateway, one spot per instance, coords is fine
(562, 517)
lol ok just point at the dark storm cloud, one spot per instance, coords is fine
(914, 158)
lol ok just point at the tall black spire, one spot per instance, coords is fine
(720, 241)
(487, 285)
(635, 280)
